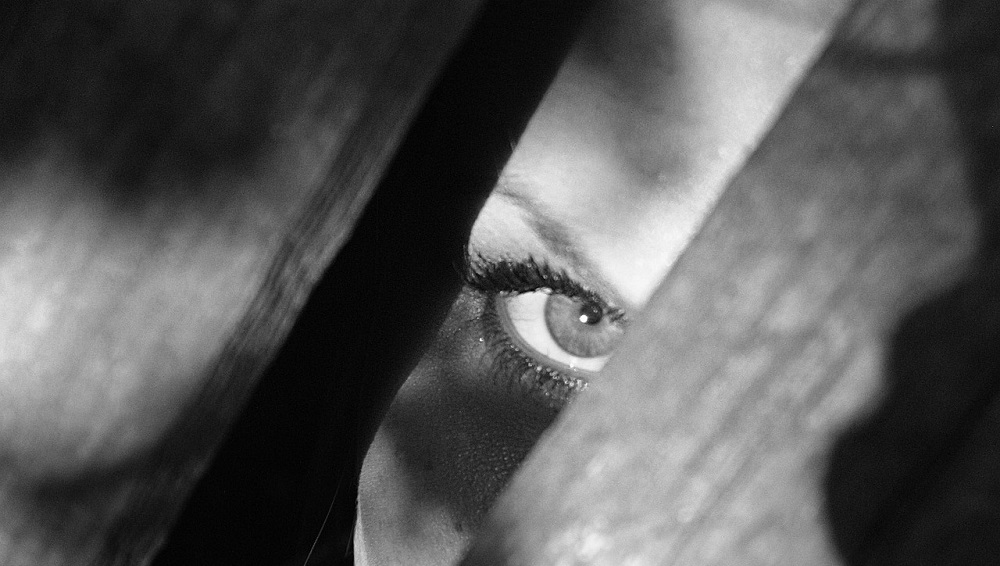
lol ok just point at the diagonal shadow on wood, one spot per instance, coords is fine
(268, 495)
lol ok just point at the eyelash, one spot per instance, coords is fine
(496, 278)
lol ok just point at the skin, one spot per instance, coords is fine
(89, 394)
(812, 383)
(655, 108)
(117, 303)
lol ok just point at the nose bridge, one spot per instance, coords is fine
(705, 441)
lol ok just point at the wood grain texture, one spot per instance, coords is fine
(176, 177)
(710, 437)
(289, 465)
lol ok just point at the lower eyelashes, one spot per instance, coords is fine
(542, 330)
(510, 363)
(566, 333)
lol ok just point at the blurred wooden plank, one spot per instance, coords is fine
(800, 13)
(918, 480)
(176, 177)
(708, 437)
(304, 432)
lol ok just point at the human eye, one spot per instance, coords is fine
(543, 330)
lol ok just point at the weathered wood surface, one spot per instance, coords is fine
(304, 432)
(850, 269)
(175, 178)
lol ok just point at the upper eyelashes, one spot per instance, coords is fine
(510, 276)
(545, 329)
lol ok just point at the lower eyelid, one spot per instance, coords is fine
(509, 363)
(532, 334)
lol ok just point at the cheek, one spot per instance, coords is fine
(460, 444)
(448, 446)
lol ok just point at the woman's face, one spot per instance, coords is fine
(655, 107)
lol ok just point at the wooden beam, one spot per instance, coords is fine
(812, 296)
(370, 317)
(176, 177)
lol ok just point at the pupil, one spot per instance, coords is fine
(590, 314)
(580, 328)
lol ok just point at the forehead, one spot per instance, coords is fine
(643, 125)
(780, 490)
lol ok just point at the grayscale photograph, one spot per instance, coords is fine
(500, 283)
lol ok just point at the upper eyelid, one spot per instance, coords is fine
(483, 273)
(530, 225)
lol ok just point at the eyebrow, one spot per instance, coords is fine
(558, 238)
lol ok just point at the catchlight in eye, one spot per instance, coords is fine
(560, 330)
